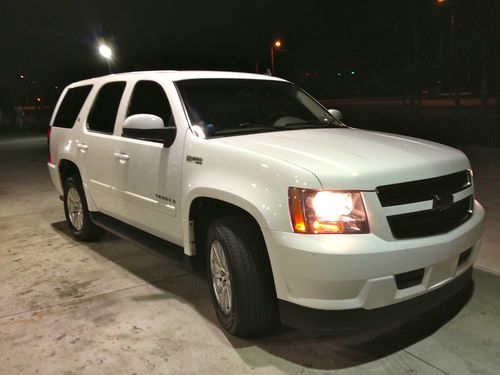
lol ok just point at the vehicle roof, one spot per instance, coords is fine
(177, 75)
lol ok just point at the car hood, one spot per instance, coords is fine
(347, 158)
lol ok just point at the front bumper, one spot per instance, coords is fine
(346, 272)
(347, 320)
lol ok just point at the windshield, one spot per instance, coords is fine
(223, 107)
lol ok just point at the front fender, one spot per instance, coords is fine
(252, 181)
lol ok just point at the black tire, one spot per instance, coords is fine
(253, 298)
(87, 231)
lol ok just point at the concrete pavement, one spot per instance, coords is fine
(111, 308)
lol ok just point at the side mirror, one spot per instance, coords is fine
(149, 128)
(336, 113)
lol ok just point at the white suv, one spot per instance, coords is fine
(294, 214)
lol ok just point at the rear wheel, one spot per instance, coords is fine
(240, 278)
(77, 213)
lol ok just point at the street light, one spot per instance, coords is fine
(106, 53)
(276, 45)
(449, 4)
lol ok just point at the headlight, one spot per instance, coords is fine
(324, 211)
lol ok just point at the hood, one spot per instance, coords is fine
(347, 158)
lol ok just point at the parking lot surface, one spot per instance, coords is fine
(111, 308)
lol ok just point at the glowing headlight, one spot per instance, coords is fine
(315, 211)
(332, 206)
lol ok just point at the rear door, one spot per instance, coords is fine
(147, 173)
(96, 146)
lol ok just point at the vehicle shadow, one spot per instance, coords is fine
(308, 349)
(348, 349)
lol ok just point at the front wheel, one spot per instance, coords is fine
(240, 277)
(77, 213)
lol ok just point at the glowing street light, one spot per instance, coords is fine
(276, 45)
(106, 53)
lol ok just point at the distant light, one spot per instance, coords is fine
(39, 99)
(277, 44)
(56, 87)
(339, 74)
(441, 1)
(105, 51)
(21, 76)
(352, 73)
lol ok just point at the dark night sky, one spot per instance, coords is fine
(56, 40)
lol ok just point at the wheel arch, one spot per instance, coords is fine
(67, 167)
(204, 208)
(208, 205)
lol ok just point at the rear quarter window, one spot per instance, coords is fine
(70, 107)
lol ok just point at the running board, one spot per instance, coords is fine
(148, 242)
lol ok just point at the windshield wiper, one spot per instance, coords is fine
(306, 124)
(243, 130)
(326, 124)
(253, 125)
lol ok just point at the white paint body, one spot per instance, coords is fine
(254, 173)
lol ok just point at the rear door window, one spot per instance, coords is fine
(70, 107)
(102, 116)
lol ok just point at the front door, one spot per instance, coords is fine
(147, 173)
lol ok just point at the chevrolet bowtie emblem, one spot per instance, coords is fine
(442, 201)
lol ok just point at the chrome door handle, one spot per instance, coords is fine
(82, 146)
(121, 156)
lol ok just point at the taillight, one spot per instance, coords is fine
(49, 131)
